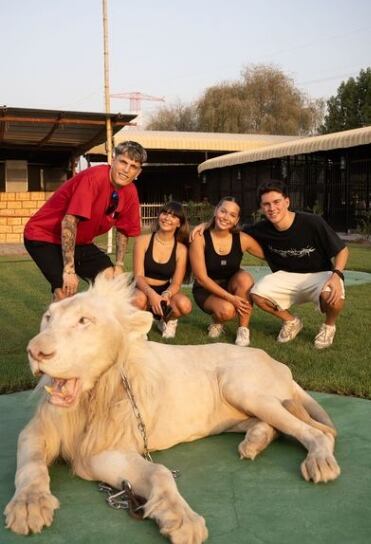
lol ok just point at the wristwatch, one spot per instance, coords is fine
(338, 273)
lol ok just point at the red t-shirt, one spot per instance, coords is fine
(86, 195)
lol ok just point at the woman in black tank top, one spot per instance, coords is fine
(160, 264)
(221, 288)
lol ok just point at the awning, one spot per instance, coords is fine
(55, 130)
(336, 140)
(194, 141)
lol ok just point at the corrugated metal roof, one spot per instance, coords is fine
(55, 129)
(336, 140)
(194, 141)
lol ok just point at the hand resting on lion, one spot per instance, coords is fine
(183, 393)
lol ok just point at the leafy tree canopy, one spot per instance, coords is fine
(263, 100)
(351, 107)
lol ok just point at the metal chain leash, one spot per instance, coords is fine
(141, 425)
(126, 499)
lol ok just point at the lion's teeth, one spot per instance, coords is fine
(48, 389)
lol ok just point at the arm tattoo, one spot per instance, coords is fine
(121, 245)
(68, 241)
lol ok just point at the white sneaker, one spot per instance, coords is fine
(215, 330)
(325, 336)
(289, 330)
(243, 337)
(170, 328)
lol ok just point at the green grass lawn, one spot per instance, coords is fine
(344, 368)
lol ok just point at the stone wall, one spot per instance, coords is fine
(15, 209)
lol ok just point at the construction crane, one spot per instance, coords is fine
(136, 99)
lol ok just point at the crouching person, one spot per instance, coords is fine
(307, 260)
(221, 286)
(60, 235)
(160, 265)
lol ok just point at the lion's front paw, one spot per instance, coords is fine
(176, 519)
(322, 468)
(185, 527)
(30, 512)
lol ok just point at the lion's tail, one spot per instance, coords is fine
(304, 407)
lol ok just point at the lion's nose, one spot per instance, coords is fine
(39, 355)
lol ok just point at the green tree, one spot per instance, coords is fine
(351, 107)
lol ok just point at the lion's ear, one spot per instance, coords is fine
(139, 323)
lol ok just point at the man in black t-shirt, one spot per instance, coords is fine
(307, 260)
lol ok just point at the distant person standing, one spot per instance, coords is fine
(59, 237)
(307, 259)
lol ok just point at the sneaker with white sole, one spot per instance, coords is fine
(170, 328)
(325, 336)
(215, 330)
(289, 330)
(243, 337)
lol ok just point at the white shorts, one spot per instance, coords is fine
(284, 289)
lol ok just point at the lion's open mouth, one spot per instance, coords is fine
(63, 392)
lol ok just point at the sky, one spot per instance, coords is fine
(52, 50)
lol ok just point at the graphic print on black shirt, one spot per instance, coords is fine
(304, 252)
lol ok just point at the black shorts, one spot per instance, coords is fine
(89, 261)
(200, 294)
(159, 289)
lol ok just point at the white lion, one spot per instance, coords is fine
(88, 345)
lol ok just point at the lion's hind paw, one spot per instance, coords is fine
(320, 469)
(247, 450)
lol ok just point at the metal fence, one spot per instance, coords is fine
(149, 212)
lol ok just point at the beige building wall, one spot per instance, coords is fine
(15, 210)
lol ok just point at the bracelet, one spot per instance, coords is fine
(119, 263)
(338, 273)
(69, 273)
(166, 292)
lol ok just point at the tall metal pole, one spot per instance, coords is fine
(106, 81)
(107, 100)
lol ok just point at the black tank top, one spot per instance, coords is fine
(159, 271)
(222, 267)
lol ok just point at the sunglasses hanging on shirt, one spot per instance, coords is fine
(114, 202)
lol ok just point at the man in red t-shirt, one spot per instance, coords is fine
(59, 237)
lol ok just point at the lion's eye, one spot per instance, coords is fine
(84, 321)
(45, 321)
